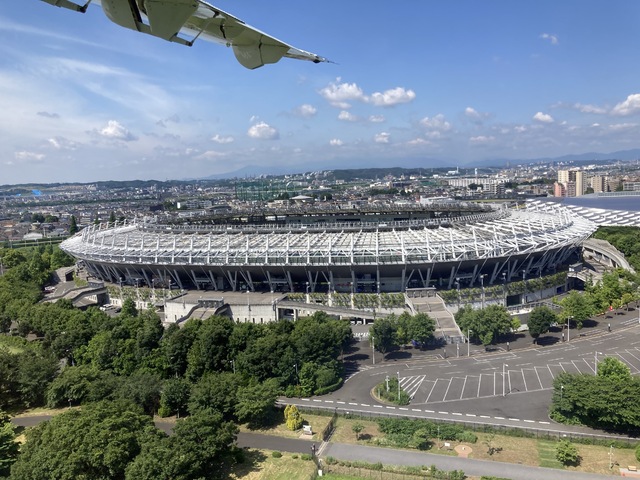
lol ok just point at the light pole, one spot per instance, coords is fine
(307, 283)
(295, 365)
(561, 392)
(373, 350)
(569, 318)
(458, 288)
(398, 386)
(468, 342)
(524, 283)
(504, 380)
(595, 356)
(233, 364)
(482, 286)
(504, 288)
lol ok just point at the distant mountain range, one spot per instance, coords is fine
(257, 170)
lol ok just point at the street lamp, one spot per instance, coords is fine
(595, 356)
(561, 392)
(307, 284)
(482, 286)
(569, 318)
(504, 288)
(458, 288)
(398, 386)
(373, 350)
(468, 342)
(524, 282)
(504, 380)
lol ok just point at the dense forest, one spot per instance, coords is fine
(123, 369)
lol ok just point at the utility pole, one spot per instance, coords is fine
(504, 380)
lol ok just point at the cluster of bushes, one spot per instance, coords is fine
(415, 433)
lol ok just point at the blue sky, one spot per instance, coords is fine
(415, 83)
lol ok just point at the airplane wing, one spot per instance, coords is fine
(184, 21)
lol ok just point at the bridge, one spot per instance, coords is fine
(604, 253)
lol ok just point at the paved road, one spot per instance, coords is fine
(470, 466)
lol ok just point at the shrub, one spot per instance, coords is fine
(306, 456)
(467, 437)
(567, 453)
(276, 454)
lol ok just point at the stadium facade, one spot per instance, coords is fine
(377, 250)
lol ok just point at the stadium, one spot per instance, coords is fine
(310, 249)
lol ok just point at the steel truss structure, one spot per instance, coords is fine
(490, 247)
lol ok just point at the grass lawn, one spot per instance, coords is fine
(517, 450)
(318, 424)
(260, 465)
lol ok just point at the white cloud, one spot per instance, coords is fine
(543, 117)
(376, 118)
(347, 116)
(263, 131)
(471, 112)
(29, 157)
(630, 106)
(589, 108)
(520, 128)
(553, 39)
(116, 131)
(481, 139)
(392, 97)
(418, 141)
(48, 115)
(437, 123)
(382, 137)
(210, 155)
(305, 111)
(61, 143)
(222, 139)
(336, 142)
(340, 94)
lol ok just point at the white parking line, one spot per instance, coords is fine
(447, 390)
(463, 385)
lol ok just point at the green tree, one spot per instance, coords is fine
(567, 453)
(540, 319)
(142, 389)
(174, 398)
(577, 307)
(613, 368)
(357, 428)
(217, 392)
(256, 403)
(293, 418)
(383, 332)
(422, 328)
(73, 225)
(210, 349)
(96, 442)
(8, 446)
(36, 370)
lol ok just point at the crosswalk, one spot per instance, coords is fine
(517, 378)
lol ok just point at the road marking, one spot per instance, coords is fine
(429, 411)
(305, 399)
(470, 414)
(537, 375)
(514, 419)
(545, 423)
(316, 400)
(444, 413)
(499, 418)
(391, 408)
(329, 401)
(377, 406)
(524, 380)
(447, 390)
(402, 408)
(350, 403)
(416, 410)
(485, 416)
(455, 413)
(341, 403)
(530, 421)
(463, 385)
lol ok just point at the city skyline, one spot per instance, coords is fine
(414, 85)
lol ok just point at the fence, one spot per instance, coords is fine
(514, 431)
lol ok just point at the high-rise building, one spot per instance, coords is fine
(574, 177)
(600, 183)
